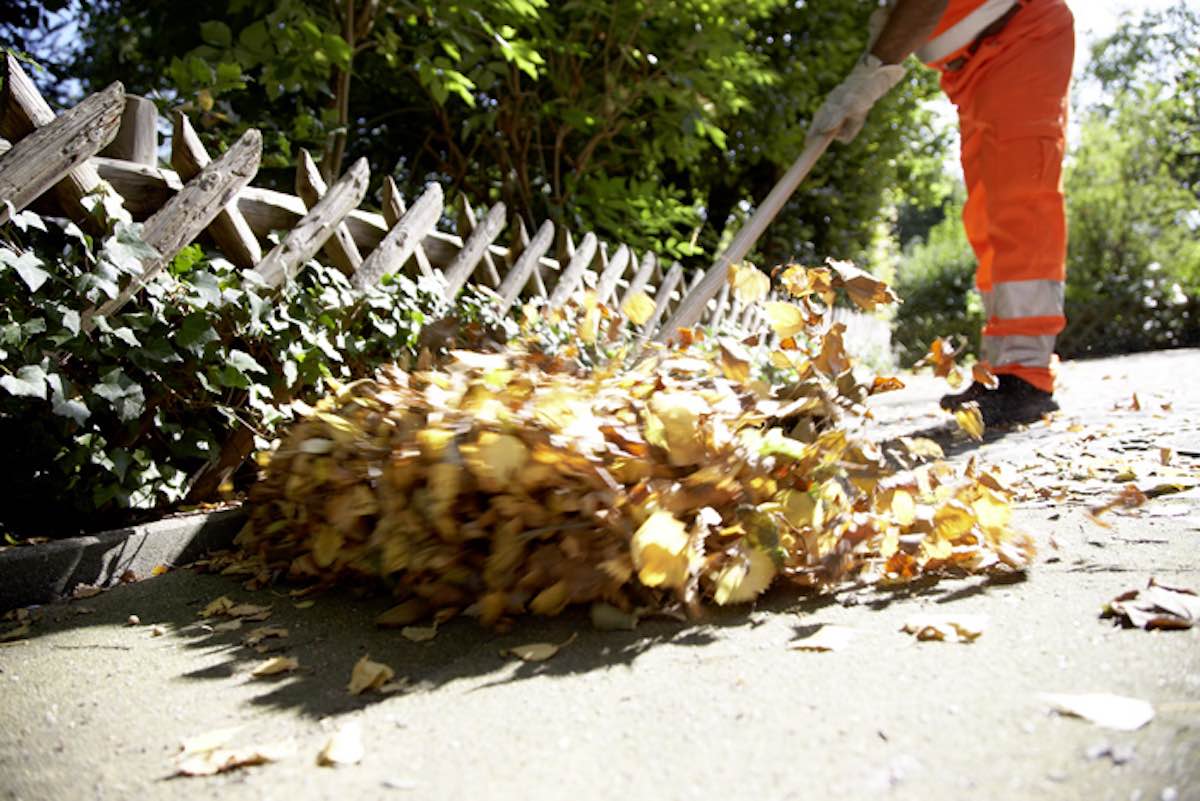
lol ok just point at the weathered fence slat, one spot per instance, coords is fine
(146, 188)
(518, 276)
(229, 228)
(402, 240)
(474, 249)
(137, 138)
(539, 284)
(188, 213)
(307, 237)
(22, 110)
(642, 277)
(44, 157)
(393, 210)
(612, 273)
(467, 225)
(573, 275)
(340, 247)
(718, 312)
(663, 297)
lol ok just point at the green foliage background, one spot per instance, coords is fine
(658, 124)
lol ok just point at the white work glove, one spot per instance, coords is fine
(845, 109)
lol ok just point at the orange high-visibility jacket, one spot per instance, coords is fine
(1010, 89)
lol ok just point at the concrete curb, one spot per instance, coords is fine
(38, 574)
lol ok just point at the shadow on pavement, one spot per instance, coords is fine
(328, 637)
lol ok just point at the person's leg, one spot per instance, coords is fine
(1012, 107)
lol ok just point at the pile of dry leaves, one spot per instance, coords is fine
(501, 483)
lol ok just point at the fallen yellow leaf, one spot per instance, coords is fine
(953, 628)
(275, 666)
(344, 747)
(826, 638)
(419, 633)
(368, 675)
(538, 651)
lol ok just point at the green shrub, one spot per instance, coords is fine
(936, 284)
(96, 425)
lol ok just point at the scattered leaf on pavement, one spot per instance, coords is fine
(206, 754)
(255, 636)
(949, 628)
(368, 675)
(1105, 710)
(1156, 607)
(274, 666)
(1130, 497)
(826, 638)
(419, 633)
(538, 651)
(607, 617)
(216, 607)
(344, 747)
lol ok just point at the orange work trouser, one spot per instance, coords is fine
(1011, 96)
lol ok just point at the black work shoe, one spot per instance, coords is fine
(1014, 401)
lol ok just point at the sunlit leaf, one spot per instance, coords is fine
(866, 291)
(344, 747)
(749, 284)
(785, 319)
(368, 675)
(638, 307)
(960, 627)
(1103, 709)
(661, 551)
(274, 666)
(826, 638)
(970, 420)
(538, 651)
(744, 578)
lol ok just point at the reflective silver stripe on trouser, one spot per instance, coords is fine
(1012, 300)
(1024, 351)
(1009, 300)
(962, 33)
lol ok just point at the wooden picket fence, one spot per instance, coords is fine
(53, 162)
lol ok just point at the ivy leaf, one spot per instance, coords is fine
(206, 289)
(122, 393)
(70, 320)
(244, 363)
(28, 266)
(29, 382)
(126, 335)
(126, 251)
(72, 408)
(195, 332)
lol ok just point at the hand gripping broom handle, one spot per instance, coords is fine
(692, 306)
